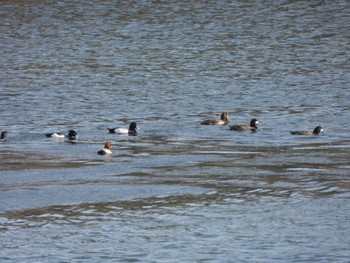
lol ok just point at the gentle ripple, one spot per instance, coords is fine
(179, 191)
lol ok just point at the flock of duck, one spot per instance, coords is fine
(132, 130)
(253, 126)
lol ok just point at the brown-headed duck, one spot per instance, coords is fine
(223, 120)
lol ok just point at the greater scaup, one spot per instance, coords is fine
(316, 131)
(252, 126)
(131, 131)
(72, 135)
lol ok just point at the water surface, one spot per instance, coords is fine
(179, 191)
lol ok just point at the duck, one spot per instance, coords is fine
(253, 126)
(223, 120)
(72, 135)
(316, 131)
(131, 131)
(3, 135)
(106, 150)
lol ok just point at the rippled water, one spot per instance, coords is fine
(179, 191)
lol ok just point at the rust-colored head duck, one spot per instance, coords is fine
(106, 149)
(223, 120)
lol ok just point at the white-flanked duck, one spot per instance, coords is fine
(316, 131)
(72, 135)
(131, 131)
(106, 150)
(253, 126)
(223, 120)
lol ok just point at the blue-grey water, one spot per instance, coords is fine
(178, 191)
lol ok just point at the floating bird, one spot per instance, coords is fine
(253, 126)
(223, 120)
(72, 135)
(131, 131)
(106, 149)
(3, 135)
(316, 131)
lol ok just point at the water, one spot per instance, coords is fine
(179, 191)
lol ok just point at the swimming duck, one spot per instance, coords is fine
(3, 135)
(130, 131)
(223, 120)
(106, 149)
(316, 131)
(72, 135)
(252, 126)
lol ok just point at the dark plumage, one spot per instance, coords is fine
(252, 126)
(223, 120)
(72, 135)
(3, 135)
(316, 131)
(131, 131)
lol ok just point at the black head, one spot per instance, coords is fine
(72, 135)
(3, 135)
(254, 123)
(317, 130)
(133, 126)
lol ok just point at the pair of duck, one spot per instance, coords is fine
(107, 150)
(254, 126)
(72, 135)
(224, 120)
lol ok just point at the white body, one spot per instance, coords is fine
(122, 130)
(107, 151)
(57, 135)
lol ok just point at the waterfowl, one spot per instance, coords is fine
(72, 135)
(131, 131)
(316, 131)
(106, 149)
(3, 135)
(223, 120)
(252, 126)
